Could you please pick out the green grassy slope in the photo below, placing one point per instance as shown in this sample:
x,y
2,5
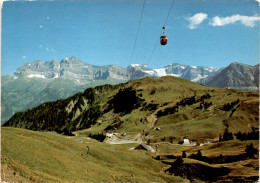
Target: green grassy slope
x,y
46,157
182,108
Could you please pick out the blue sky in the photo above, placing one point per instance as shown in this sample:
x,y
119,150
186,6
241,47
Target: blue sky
x,y
103,32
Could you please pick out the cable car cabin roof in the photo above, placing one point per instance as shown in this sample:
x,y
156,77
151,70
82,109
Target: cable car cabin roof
x,y
164,37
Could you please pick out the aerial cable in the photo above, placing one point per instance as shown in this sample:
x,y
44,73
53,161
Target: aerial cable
x,y
152,52
168,13
155,46
163,31
137,32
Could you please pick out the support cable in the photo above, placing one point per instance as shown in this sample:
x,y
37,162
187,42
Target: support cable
x,y
168,13
137,33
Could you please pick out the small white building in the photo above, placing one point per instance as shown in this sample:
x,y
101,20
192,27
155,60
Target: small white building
x,y
111,135
186,142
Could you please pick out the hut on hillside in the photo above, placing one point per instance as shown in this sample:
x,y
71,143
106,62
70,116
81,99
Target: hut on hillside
x,y
144,147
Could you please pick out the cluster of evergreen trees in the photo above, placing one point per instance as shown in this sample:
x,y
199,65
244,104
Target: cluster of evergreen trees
x,y
250,151
54,116
186,101
100,137
229,106
197,156
253,135
226,136
125,101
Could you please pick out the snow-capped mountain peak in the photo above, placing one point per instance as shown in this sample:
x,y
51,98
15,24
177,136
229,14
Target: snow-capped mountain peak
x,y
81,73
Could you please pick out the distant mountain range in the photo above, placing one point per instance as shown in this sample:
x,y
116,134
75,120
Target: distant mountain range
x,y
81,73
35,83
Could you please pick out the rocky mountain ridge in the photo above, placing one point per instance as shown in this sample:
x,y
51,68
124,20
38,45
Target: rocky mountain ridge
x,y
82,73
73,69
236,76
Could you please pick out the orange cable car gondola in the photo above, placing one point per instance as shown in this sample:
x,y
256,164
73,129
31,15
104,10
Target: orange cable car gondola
x,y
163,38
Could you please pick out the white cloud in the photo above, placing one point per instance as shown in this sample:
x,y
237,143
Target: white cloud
x,y
196,20
245,20
41,26
47,17
23,57
50,49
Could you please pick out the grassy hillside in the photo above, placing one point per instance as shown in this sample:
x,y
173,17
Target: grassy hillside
x,y
29,156
160,111
177,106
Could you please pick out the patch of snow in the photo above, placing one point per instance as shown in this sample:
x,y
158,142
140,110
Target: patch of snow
x,y
36,76
56,76
176,75
135,65
183,67
160,72
211,69
199,78
149,72
194,67
15,77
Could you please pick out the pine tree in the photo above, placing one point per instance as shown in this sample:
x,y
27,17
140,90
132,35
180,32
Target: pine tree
x,y
226,135
183,154
220,138
250,151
